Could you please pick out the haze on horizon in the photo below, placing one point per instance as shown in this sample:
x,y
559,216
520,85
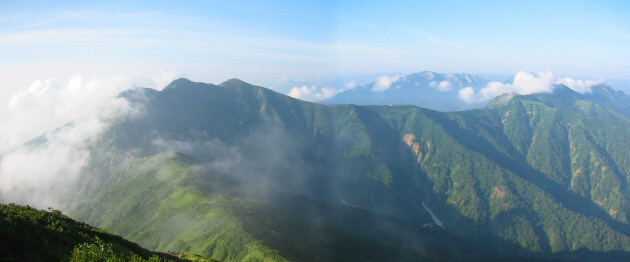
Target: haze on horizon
x,y
55,54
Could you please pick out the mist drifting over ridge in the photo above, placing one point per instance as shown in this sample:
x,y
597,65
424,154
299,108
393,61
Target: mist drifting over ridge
x,y
80,109
64,119
175,153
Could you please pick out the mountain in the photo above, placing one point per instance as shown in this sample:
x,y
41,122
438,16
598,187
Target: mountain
x,y
238,172
261,183
29,234
425,89
605,95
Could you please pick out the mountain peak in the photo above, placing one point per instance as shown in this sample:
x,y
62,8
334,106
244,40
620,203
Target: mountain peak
x,y
501,100
426,74
563,90
233,82
177,83
605,89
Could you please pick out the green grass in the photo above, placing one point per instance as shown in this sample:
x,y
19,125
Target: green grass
x,y
30,234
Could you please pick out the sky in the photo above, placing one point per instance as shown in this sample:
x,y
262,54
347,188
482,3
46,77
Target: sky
x,y
266,42
55,56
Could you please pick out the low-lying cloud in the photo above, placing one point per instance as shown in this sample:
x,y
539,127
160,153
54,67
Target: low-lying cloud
x,y
525,83
78,110
316,93
50,103
442,86
313,93
351,85
384,82
40,175
580,86
256,164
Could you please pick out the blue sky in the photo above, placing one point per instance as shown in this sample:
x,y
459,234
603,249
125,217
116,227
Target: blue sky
x,y
268,42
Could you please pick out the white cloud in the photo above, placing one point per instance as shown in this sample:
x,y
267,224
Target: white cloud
x,y
580,86
351,85
442,86
78,109
316,93
313,93
40,176
383,83
303,92
467,95
523,83
49,103
160,80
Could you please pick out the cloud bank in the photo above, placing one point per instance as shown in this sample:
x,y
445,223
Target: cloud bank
x,y
50,103
78,110
525,83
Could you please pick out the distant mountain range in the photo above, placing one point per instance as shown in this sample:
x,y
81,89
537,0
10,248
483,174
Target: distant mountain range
x,y
437,91
238,172
425,89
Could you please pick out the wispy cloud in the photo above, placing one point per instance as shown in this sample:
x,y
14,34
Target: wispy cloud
x,y
42,37
51,103
40,176
351,84
78,110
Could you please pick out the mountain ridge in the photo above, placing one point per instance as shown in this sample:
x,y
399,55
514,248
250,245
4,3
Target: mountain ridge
x,y
539,176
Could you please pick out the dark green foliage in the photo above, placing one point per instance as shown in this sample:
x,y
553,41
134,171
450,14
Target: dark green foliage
x,y
100,251
28,234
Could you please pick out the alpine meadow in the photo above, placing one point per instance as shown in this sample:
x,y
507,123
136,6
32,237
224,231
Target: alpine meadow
x,y
341,133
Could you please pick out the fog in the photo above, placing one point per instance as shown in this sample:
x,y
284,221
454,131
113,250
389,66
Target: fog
x,y
60,119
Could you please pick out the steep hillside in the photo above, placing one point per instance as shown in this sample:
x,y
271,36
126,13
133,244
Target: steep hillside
x,y
239,172
168,204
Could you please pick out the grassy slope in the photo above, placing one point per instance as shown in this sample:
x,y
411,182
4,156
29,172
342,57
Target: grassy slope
x,y
29,234
163,206
160,208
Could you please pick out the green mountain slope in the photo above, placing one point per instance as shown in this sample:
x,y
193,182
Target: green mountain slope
x,y
160,207
173,207
239,172
29,234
